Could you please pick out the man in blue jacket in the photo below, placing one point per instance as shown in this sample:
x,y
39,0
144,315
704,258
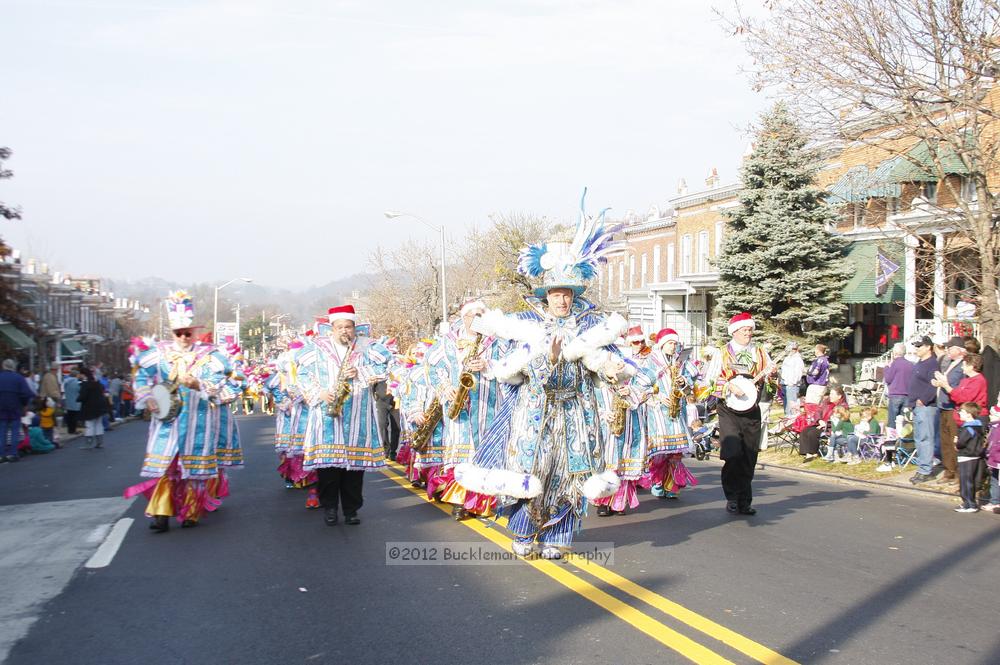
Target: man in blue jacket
x,y
922,398
14,396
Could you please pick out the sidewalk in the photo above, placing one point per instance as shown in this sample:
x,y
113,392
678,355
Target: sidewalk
x,y
863,473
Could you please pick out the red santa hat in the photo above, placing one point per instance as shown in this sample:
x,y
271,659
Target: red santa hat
x,y
634,334
666,335
741,320
310,333
342,312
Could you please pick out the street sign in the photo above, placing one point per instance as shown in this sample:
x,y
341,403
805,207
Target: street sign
x,y
226,332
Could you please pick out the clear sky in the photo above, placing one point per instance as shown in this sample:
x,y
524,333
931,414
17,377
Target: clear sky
x,y
204,139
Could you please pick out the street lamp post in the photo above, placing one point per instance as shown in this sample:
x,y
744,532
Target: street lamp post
x,y
393,214
215,310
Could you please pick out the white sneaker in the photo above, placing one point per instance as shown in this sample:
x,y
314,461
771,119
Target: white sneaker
x,y
551,552
854,462
884,468
967,510
936,462
522,549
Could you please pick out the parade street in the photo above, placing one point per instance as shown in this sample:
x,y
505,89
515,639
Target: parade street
x,y
824,573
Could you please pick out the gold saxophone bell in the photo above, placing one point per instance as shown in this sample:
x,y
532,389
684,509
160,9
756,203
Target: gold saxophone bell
x,y
466,383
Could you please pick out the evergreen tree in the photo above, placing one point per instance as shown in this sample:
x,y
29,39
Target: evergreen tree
x,y
779,261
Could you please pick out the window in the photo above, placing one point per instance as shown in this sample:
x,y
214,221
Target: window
x,y
631,272
686,255
892,205
703,251
720,227
656,264
642,273
928,190
671,259
969,193
860,209
611,278
621,276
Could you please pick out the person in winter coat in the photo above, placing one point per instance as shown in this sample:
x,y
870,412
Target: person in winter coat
x,y
14,396
818,375
93,409
993,458
970,445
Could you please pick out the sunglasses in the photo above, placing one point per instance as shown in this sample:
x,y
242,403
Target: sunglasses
x,y
183,333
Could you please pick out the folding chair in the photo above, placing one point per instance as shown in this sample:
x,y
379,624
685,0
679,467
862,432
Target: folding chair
x,y
906,453
781,435
870,448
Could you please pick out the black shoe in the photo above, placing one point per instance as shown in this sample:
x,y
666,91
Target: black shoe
x,y
330,516
747,510
160,524
732,507
415,483
919,478
189,524
459,513
353,520
603,511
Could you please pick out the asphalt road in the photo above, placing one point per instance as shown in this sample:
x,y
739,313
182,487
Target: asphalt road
x,y
824,573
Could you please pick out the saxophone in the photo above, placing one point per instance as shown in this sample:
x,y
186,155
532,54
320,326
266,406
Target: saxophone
x,y
422,435
342,391
619,410
466,382
676,392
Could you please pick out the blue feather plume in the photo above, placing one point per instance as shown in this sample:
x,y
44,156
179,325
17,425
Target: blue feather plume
x,y
593,241
529,261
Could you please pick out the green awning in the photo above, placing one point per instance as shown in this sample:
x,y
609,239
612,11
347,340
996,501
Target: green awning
x,y
71,347
860,184
863,260
14,338
918,164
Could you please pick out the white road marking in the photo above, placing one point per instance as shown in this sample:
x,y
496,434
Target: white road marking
x,y
109,548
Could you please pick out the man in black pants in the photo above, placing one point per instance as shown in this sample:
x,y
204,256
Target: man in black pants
x,y
388,418
739,427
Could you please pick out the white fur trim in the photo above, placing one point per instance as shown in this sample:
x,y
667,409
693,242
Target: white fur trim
x,y
509,368
497,482
495,323
601,485
604,333
733,327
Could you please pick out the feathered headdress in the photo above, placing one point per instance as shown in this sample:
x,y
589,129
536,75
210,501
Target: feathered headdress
x,y
571,266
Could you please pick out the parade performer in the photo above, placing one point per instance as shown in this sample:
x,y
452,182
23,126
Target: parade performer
x,y
180,455
459,367
292,414
623,421
739,371
554,456
667,431
342,437
424,414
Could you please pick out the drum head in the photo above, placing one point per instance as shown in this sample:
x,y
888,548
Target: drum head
x,y
161,397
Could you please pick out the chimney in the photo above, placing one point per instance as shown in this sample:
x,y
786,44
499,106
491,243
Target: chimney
x,y
682,187
712,181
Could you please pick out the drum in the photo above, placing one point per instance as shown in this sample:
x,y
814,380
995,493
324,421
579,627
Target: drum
x,y
167,401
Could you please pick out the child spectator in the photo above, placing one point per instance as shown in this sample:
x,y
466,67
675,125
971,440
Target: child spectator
x,y
46,411
993,459
867,426
841,435
970,446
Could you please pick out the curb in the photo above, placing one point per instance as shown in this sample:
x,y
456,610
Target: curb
x,y
849,480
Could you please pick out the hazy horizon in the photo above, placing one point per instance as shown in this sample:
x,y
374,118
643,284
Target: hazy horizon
x,y
200,141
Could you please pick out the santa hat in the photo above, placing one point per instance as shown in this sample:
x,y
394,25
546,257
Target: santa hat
x,y
310,333
666,335
342,312
471,305
634,334
742,320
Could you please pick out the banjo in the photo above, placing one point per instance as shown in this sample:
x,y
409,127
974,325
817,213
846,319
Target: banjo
x,y
166,401
748,386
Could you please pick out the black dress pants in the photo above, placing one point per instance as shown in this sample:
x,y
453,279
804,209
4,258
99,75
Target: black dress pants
x,y
388,427
340,487
739,446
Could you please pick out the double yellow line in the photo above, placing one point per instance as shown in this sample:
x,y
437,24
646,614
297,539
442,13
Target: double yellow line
x,y
643,622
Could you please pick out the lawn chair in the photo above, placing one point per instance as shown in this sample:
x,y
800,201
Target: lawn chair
x,y
782,436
